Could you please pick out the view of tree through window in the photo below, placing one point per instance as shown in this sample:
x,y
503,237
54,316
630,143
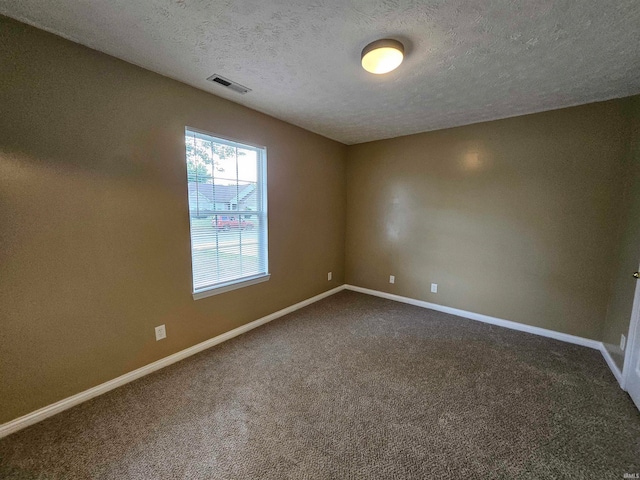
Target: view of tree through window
x,y
227,208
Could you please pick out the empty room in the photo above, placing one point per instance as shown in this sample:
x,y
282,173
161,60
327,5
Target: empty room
x,y
319,239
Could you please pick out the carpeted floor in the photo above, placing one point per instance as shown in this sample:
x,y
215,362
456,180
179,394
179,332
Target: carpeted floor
x,y
351,387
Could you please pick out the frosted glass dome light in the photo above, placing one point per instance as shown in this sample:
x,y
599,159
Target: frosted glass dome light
x,y
382,56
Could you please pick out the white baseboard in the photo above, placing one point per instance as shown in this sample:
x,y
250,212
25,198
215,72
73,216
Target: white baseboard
x,y
50,410
565,337
66,403
612,365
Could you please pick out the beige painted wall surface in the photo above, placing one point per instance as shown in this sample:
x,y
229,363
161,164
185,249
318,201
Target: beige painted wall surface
x,y
514,218
94,226
623,285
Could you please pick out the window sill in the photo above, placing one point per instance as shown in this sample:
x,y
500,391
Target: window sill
x,y
227,287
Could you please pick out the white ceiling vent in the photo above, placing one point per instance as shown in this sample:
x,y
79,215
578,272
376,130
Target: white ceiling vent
x,y
225,82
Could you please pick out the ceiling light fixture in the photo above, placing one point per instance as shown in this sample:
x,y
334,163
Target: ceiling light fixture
x,y
382,56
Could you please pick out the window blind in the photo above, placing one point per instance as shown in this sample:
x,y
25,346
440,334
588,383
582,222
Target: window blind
x,y
227,211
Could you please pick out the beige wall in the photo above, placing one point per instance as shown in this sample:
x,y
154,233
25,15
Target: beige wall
x,y
514,218
623,285
94,226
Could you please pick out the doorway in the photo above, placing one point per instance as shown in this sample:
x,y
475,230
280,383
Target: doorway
x,y
631,369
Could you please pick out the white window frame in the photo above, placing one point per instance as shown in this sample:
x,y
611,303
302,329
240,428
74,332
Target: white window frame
x,y
263,238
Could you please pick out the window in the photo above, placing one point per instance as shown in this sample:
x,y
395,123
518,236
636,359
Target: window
x,y
227,188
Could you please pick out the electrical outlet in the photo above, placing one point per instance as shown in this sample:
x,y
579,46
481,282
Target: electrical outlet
x,y
161,332
434,288
392,279
329,276
623,342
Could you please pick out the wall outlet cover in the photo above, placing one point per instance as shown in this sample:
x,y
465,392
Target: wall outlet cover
x,y
434,288
392,279
161,332
329,276
623,342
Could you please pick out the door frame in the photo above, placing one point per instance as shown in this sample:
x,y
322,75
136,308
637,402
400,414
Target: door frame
x,y
634,325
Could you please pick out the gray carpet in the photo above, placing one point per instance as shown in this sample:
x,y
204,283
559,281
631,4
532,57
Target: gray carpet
x,y
351,387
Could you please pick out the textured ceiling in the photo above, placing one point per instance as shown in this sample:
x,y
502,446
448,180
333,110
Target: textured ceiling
x,y
467,61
